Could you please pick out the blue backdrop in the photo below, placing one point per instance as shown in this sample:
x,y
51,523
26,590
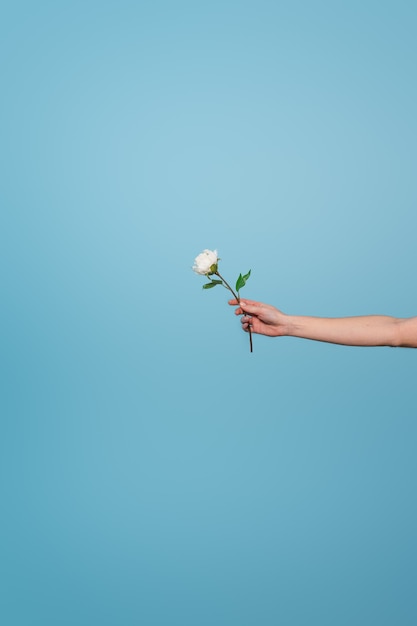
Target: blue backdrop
x,y
152,470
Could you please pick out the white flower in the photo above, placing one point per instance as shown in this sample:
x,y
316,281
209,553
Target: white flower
x,y
204,262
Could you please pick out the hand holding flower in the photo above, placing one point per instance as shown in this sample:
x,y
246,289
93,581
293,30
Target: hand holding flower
x,y
261,318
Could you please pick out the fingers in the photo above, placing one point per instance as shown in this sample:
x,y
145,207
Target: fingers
x,y
245,301
247,323
250,306
246,306
246,320
234,301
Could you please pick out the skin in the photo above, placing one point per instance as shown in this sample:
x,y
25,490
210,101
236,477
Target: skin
x,y
368,330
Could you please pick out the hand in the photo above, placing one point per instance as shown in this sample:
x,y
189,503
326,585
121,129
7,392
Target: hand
x,y
263,319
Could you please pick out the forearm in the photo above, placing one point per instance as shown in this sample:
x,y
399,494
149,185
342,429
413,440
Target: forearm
x,y
368,330
371,330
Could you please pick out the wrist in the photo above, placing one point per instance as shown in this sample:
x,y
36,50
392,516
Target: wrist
x,y
281,325
289,326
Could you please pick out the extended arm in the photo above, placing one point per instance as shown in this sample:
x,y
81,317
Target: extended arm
x,y
369,330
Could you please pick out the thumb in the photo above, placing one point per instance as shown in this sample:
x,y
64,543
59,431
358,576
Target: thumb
x,y
249,307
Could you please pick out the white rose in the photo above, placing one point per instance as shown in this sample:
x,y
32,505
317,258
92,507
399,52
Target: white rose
x,y
204,262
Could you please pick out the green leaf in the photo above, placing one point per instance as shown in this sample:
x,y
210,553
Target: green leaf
x,y
241,281
212,284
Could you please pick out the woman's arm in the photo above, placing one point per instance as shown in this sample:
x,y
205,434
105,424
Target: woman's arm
x,y
369,330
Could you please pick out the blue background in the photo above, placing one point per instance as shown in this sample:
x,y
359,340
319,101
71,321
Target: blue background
x,y
152,470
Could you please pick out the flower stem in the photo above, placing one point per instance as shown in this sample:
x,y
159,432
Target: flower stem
x,y
238,299
228,286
